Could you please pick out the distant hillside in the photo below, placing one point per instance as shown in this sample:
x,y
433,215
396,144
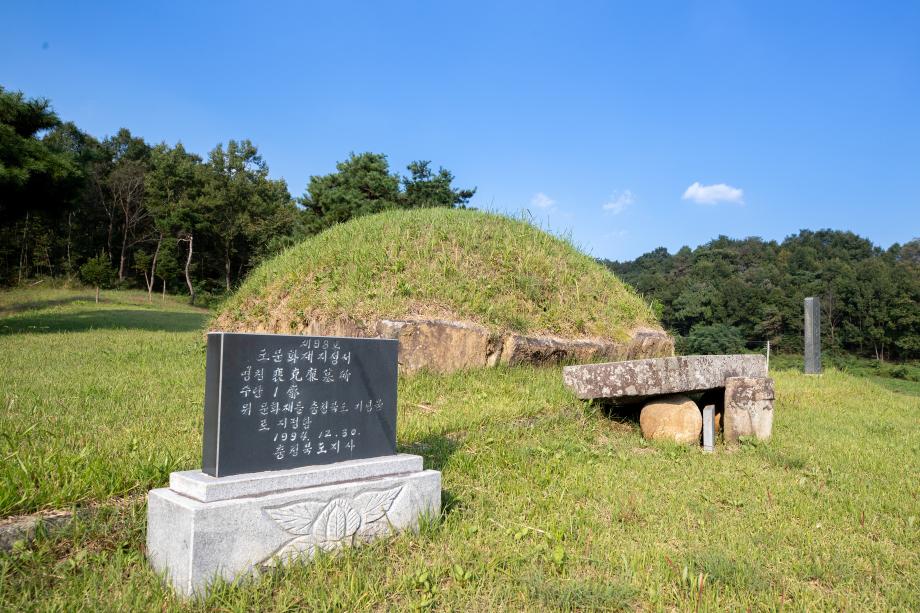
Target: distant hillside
x,y
870,297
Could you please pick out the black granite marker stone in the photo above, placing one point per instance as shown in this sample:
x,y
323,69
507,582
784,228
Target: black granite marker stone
x,y
276,401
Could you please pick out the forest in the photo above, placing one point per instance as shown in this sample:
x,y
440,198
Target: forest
x,y
729,294
124,212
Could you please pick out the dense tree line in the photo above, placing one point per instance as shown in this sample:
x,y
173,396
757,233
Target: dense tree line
x,y
157,216
730,292
124,211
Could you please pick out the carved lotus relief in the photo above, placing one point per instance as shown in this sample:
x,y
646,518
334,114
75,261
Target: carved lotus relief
x,y
328,525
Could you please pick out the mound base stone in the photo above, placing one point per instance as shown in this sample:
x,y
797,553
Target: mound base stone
x,y
444,346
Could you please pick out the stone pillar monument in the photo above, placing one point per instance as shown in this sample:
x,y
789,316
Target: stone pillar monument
x,y
812,336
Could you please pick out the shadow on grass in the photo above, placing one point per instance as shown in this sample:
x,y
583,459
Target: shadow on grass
x,y
624,413
784,460
33,305
579,594
436,449
733,573
105,319
898,386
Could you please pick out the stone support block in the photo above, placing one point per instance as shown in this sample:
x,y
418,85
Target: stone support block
x,y
748,408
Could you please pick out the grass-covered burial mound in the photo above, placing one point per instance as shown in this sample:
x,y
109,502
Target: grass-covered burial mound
x,y
446,264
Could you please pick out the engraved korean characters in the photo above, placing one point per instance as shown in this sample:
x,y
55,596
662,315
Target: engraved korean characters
x,y
276,401
271,389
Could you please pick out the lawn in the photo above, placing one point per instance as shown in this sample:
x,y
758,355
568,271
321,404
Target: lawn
x,y
549,503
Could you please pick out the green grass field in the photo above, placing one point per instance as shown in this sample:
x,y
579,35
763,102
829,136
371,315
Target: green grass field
x,y
548,503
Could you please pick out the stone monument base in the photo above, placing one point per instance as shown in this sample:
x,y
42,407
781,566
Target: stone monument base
x,y
202,528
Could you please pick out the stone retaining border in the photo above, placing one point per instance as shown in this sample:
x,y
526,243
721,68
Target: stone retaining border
x,y
445,346
24,527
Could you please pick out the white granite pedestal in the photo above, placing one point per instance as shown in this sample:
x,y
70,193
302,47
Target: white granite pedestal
x,y
203,527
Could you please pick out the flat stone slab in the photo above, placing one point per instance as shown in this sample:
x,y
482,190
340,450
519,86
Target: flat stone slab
x,y
635,380
192,543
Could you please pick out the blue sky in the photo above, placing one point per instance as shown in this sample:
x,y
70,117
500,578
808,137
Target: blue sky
x,y
629,125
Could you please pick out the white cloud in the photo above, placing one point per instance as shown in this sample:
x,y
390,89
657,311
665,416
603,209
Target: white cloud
x,y
713,194
619,201
542,201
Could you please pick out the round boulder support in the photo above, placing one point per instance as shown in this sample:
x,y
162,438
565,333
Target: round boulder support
x,y
671,418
